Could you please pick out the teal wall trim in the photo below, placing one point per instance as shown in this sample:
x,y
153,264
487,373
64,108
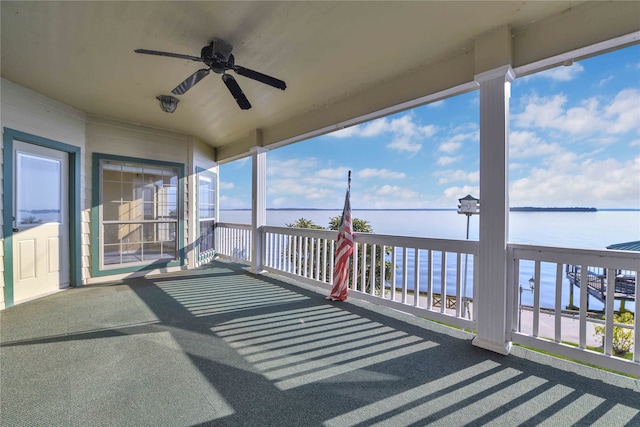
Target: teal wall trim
x,y
95,216
75,247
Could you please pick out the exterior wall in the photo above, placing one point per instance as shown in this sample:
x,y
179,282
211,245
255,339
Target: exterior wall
x,y
123,139
30,112
33,113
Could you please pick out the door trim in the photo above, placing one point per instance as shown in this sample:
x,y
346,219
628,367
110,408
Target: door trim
x,y
75,254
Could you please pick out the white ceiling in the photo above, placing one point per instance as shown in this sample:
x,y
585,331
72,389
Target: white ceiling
x,y
82,54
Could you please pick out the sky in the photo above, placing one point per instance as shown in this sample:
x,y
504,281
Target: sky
x,y
574,140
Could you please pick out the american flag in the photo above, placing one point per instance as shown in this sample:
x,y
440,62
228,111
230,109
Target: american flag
x,y
343,252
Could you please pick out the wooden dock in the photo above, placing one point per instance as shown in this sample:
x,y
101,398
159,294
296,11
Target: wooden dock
x,y
625,284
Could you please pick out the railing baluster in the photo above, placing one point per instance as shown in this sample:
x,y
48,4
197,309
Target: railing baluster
x,y
393,273
536,300
636,323
324,260
584,301
299,257
383,270
416,277
354,266
404,274
429,279
459,302
306,257
372,275
333,261
609,313
443,282
558,311
317,266
363,268
289,254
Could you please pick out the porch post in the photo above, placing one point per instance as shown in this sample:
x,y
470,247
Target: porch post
x,y
492,305
258,206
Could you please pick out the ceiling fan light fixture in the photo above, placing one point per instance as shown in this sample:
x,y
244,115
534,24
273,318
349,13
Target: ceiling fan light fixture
x,y
168,103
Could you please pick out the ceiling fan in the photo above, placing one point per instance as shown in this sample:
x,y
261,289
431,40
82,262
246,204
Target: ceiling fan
x,y
217,56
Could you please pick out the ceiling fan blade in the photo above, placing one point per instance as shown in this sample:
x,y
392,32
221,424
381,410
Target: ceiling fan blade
x,y
263,78
191,81
172,55
235,90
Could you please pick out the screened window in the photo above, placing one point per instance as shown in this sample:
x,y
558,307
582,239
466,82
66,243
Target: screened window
x,y
139,221
206,213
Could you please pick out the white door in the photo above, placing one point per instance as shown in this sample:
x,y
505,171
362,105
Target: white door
x,y
41,221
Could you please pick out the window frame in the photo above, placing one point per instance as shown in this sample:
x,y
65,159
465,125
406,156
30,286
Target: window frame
x,y
203,256
97,221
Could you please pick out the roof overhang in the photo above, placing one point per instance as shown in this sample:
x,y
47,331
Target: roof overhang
x,y
343,62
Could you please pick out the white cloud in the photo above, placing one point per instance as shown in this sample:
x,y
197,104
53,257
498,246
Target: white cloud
x,y
453,144
605,81
404,144
452,194
624,112
447,160
372,128
620,115
523,144
332,173
386,196
240,163
226,185
447,176
406,135
345,133
234,203
437,104
300,182
573,181
549,113
559,74
290,168
380,174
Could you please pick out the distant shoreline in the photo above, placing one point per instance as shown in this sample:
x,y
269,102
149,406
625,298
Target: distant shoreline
x,y
533,209
513,209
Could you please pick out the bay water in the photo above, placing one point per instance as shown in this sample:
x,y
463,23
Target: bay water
x,y
580,230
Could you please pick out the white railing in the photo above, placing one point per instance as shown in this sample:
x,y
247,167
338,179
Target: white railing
x,y
435,278
432,278
563,323
233,241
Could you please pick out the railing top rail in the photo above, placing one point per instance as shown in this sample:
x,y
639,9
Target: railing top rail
x,y
623,260
233,225
447,245
304,232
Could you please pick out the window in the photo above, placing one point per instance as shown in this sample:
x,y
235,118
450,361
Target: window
x,y
139,213
38,190
206,213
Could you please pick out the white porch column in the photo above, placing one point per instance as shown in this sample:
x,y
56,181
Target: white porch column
x,y
258,206
491,304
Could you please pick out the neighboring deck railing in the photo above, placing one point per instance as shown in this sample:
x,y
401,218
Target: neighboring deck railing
x,y
436,279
